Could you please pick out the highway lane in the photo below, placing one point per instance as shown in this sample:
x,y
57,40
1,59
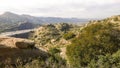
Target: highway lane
x,y
16,32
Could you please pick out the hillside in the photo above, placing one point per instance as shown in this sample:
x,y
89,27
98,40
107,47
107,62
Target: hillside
x,y
9,17
92,45
11,22
52,34
7,27
83,46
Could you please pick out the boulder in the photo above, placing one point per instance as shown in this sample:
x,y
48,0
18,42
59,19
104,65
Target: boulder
x,y
11,42
12,49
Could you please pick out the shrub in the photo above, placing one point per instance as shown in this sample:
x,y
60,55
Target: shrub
x,y
95,39
54,50
68,36
63,27
107,61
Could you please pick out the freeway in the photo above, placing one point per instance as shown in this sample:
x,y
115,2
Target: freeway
x,y
12,33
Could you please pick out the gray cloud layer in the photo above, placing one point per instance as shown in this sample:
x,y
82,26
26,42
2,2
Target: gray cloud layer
x,y
64,8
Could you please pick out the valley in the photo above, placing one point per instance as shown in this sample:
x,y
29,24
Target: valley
x,y
17,34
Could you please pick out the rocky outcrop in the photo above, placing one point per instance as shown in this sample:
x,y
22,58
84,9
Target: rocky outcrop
x,y
19,43
13,49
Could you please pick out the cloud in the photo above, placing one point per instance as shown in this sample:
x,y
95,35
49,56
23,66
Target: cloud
x,y
62,8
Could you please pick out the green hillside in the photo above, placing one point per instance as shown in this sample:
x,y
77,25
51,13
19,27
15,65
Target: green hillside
x,y
92,45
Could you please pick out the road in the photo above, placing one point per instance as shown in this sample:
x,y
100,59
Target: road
x,y
16,32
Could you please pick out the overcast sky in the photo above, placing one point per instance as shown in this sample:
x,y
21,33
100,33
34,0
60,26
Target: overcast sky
x,y
62,8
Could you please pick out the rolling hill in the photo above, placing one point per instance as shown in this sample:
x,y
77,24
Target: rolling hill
x,y
9,17
10,21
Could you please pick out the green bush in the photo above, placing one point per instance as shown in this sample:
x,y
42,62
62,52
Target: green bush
x,y
55,58
95,40
64,27
107,61
53,50
53,61
68,36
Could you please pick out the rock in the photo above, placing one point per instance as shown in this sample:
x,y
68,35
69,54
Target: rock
x,y
12,49
53,40
11,42
24,45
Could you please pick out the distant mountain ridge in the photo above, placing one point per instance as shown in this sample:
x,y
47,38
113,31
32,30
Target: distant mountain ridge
x,y
15,18
12,22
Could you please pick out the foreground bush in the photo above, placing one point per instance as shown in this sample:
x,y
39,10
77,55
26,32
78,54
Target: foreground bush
x,y
95,40
107,61
54,61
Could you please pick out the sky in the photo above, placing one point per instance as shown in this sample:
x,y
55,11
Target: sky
x,y
62,8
